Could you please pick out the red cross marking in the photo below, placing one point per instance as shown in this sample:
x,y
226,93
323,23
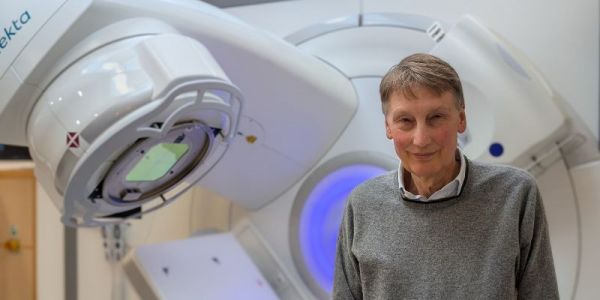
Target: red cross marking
x,y
73,139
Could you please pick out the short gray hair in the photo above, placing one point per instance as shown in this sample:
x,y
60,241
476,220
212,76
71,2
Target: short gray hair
x,y
420,70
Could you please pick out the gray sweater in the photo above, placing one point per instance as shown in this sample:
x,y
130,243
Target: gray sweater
x,y
489,242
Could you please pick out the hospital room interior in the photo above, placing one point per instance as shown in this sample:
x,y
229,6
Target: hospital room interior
x,y
184,149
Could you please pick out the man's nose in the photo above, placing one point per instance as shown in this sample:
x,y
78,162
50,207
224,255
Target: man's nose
x,y
421,137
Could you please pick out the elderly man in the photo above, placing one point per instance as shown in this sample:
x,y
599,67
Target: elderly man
x,y
441,226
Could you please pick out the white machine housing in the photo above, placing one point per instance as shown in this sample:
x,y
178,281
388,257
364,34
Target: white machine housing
x,y
204,267
94,87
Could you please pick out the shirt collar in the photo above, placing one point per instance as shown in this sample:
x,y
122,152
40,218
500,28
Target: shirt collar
x,y
449,190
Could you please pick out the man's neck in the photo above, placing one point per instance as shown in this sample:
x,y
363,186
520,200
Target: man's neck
x,y
426,186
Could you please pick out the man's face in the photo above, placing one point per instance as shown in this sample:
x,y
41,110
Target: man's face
x,y
424,131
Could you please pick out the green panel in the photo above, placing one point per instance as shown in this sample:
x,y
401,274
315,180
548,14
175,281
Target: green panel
x,y
157,162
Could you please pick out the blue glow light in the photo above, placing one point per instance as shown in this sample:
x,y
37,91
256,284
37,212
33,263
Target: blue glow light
x,y
322,215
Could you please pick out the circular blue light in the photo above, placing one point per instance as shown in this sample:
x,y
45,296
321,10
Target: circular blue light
x,y
496,149
322,215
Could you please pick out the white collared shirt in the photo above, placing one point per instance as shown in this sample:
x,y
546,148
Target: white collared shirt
x,y
449,190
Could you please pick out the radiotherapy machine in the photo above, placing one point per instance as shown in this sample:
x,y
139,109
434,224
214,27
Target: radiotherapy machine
x,y
122,103
125,105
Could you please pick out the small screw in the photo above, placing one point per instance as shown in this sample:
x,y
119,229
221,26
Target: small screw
x,y
251,139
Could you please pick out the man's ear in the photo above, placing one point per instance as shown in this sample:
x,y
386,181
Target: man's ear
x,y
462,123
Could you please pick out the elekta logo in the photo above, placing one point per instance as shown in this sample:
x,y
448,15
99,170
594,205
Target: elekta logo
x,y
9,33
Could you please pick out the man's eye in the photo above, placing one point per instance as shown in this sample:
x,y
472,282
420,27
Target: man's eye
x,y
436,117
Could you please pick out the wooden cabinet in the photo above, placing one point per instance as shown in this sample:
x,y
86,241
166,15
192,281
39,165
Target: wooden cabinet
x,y
17,222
